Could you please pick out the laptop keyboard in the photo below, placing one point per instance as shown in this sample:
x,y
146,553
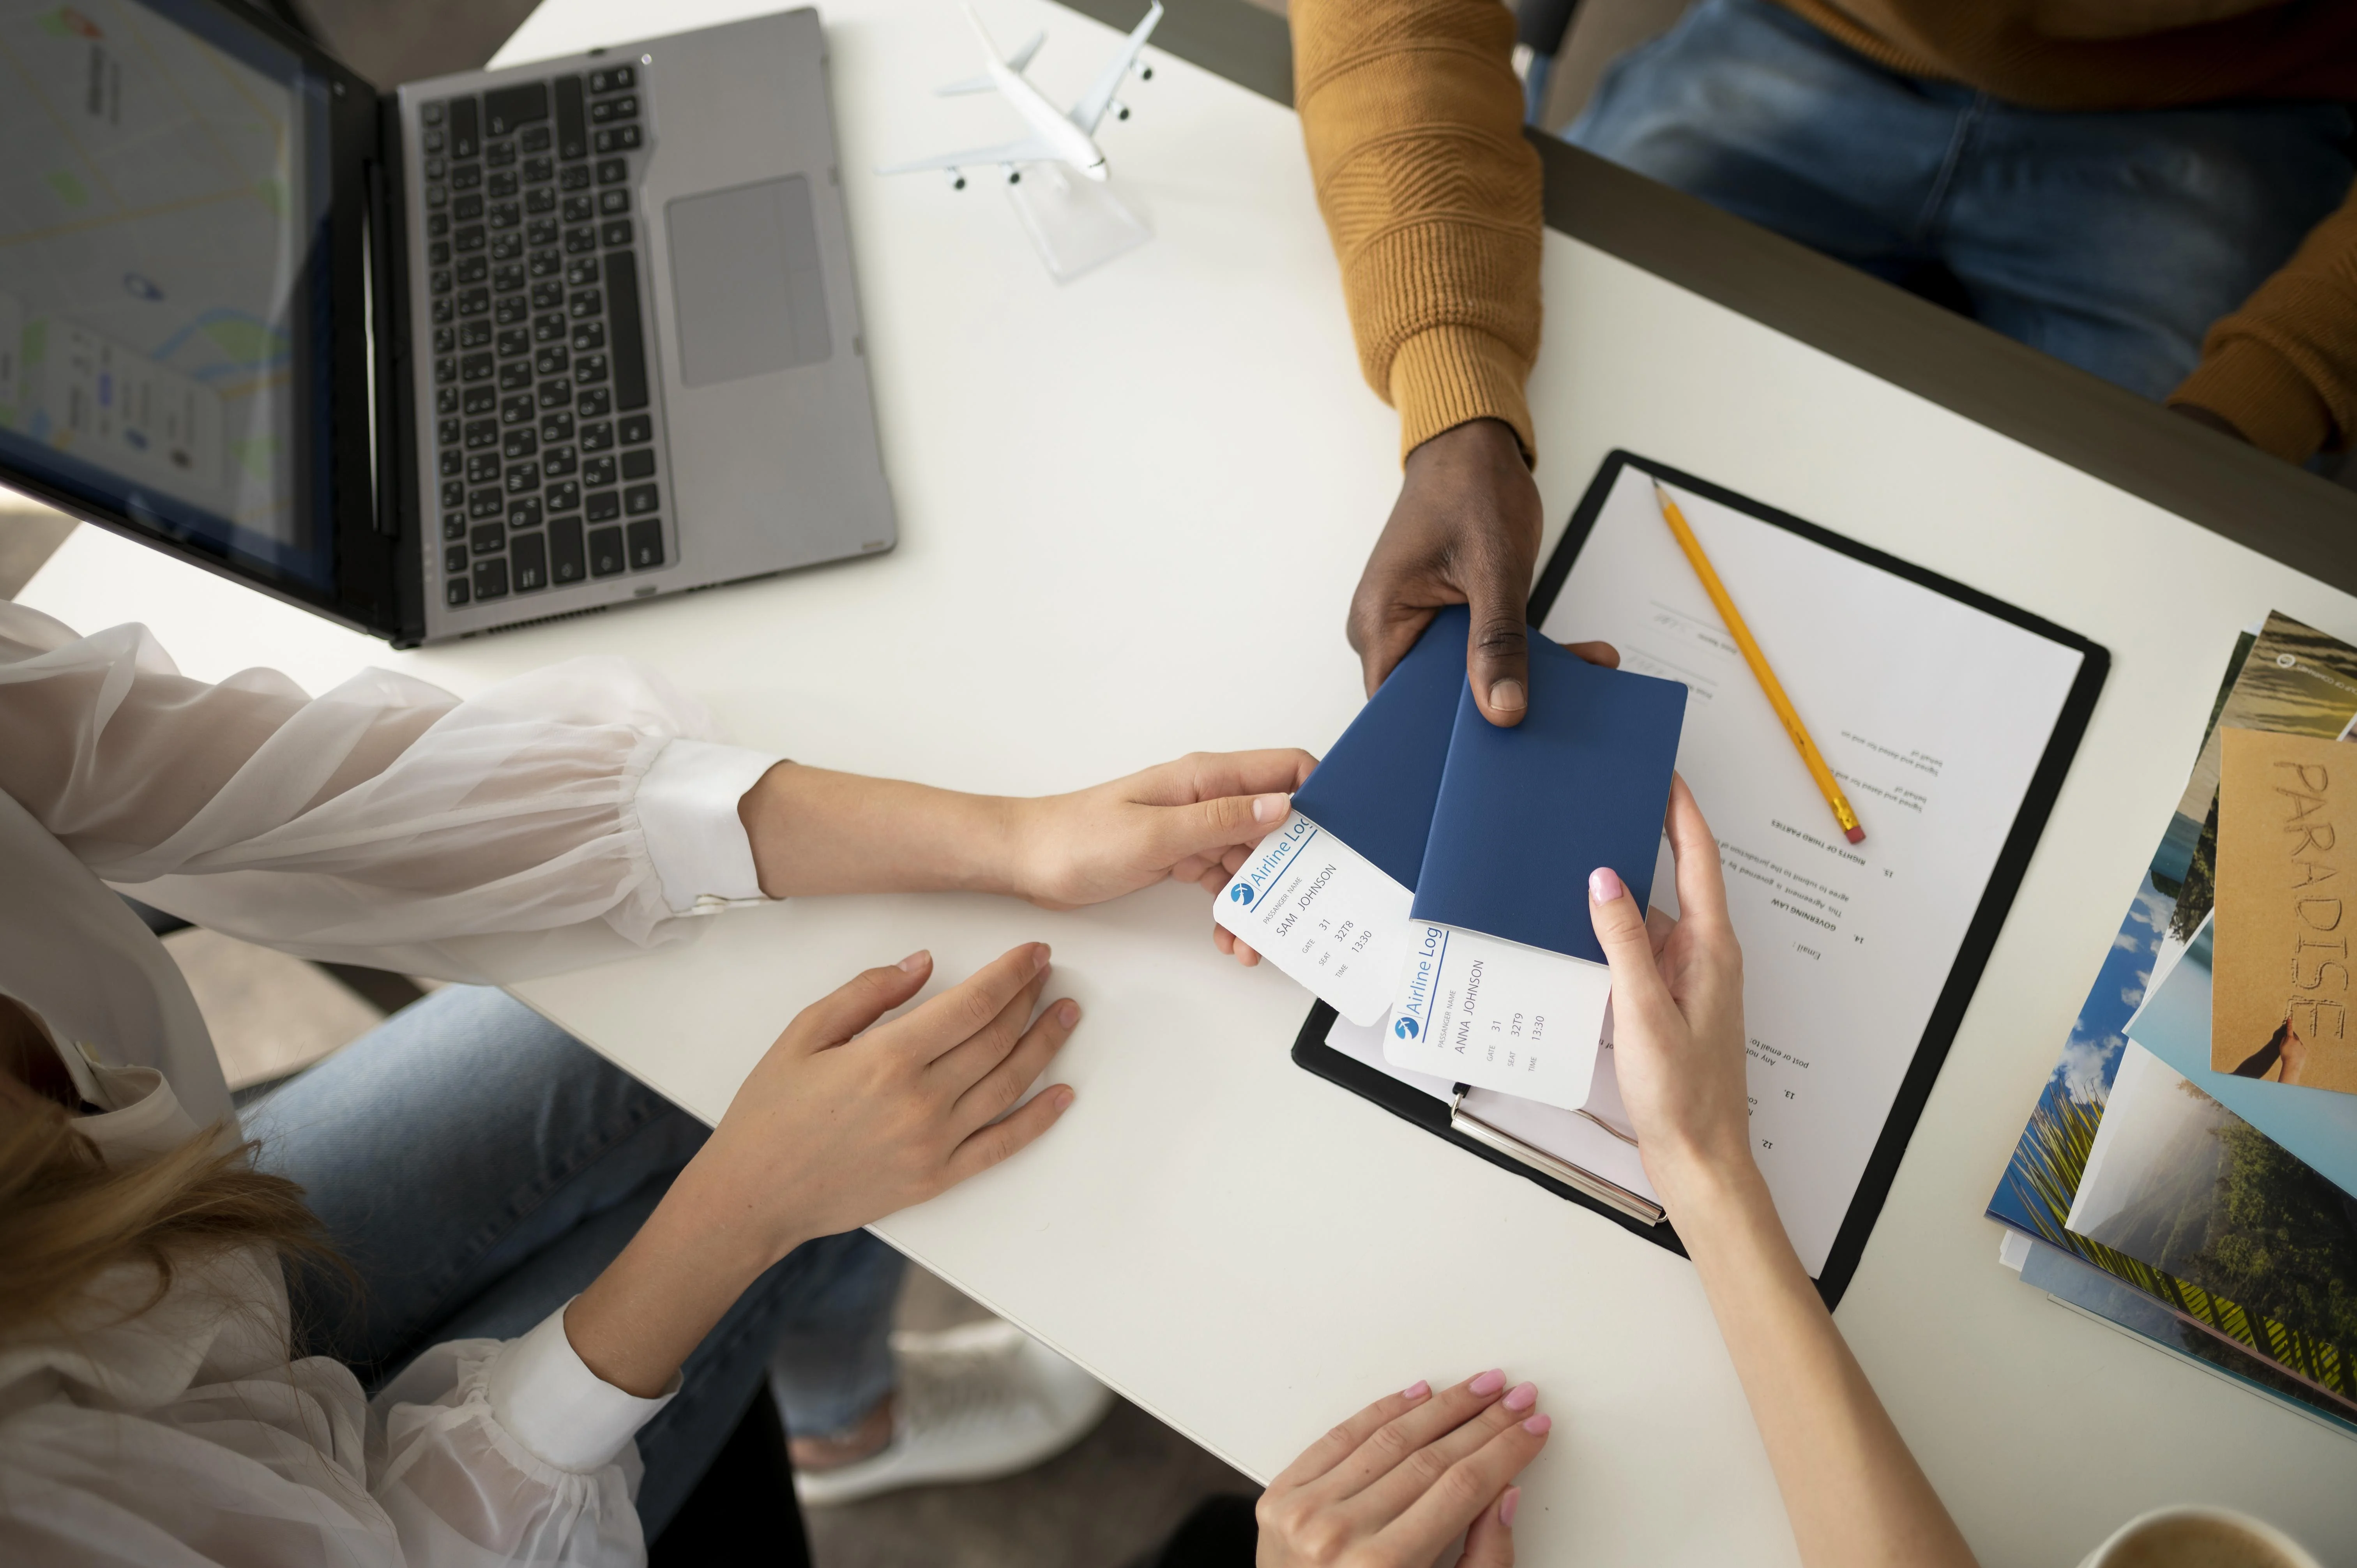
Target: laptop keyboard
x,y
544,439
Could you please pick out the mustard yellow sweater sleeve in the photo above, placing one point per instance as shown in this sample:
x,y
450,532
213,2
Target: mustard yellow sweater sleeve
x,y
2283,368
1413,117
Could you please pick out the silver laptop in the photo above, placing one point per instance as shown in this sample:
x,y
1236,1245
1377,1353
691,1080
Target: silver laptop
x,y
487,349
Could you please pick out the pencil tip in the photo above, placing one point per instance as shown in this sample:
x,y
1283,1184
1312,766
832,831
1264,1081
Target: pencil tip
x,y
1856,835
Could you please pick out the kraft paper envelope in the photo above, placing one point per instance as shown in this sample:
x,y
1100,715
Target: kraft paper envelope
x,y
2287,879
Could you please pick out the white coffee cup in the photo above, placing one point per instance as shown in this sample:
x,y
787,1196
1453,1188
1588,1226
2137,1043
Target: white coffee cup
x,y
2195,1537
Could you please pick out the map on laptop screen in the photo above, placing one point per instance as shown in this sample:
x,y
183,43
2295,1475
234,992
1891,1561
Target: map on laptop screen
x,y
158,203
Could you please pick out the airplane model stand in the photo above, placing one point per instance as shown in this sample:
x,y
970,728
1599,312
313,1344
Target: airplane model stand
x,y
1073,215
1076,225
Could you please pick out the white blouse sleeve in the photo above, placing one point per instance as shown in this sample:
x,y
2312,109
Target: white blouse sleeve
x,y
489,1453
565,816
185,1436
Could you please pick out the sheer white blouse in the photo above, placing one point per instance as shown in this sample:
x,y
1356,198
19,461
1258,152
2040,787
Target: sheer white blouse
x,y
584,810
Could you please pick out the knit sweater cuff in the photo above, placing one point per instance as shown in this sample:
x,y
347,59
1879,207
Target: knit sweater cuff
x,y
2263,395
1447,376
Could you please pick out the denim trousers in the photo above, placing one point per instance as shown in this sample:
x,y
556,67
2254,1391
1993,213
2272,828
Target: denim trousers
x,y
478,1166
2111,240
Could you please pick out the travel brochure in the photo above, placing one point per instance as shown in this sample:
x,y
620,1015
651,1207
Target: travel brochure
x,y
2174,1023
2184,1148
2283,920
2084,1288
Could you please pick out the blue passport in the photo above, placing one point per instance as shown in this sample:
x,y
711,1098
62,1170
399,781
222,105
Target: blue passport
x,y
1503,985
1525,814
1374,789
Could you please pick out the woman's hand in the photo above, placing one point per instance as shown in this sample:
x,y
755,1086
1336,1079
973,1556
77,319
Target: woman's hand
x,y
1191,820
836,1127
816,832
833,1128
1396,1483
1677,1010
1851,1489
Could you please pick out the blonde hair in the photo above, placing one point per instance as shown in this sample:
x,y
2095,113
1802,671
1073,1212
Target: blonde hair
x,y
67,1216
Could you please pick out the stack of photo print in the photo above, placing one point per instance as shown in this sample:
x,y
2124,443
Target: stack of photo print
x,y
2134,1194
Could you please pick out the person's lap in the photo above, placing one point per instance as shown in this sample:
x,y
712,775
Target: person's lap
x,y
448,1146
2109,240
478,1167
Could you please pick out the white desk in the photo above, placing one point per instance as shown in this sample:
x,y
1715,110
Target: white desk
x,y
1092,482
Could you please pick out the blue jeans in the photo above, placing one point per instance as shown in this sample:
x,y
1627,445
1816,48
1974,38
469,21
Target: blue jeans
x,y
2108,239
478,1167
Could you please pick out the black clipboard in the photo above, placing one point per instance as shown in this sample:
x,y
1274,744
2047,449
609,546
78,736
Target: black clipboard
x,y
1311,1051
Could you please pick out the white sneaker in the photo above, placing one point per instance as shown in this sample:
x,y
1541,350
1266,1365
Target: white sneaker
x,y
975,1402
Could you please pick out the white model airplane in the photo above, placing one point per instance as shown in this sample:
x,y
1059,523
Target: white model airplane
x,y
1056,136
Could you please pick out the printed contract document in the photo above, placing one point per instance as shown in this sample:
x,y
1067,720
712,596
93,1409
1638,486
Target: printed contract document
x,y
1932,714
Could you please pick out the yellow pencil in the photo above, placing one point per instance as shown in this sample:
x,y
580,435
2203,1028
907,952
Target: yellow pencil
x,y
1758,662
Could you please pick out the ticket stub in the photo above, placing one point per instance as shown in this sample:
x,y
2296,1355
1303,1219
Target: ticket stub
x,y
1322,913
1497,1015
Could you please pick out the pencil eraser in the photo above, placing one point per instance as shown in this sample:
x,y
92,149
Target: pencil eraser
x,y
1856,835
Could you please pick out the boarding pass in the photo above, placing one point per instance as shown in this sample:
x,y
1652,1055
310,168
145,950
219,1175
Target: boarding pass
x,y
1497,1015
1323,914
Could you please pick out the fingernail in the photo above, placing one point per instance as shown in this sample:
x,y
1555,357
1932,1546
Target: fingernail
x,y
1604,885
1537,1426
1506,696
1269,808
1416,1390
1068,1013
1488,1383
1523,1396
916,960
1508,1504
1062,1095
1040,955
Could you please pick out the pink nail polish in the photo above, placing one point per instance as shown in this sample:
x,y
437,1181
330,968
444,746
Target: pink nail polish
x,y
1488,1383
915,962
1522,1396
1604,885
1537,1426
1508,1505
1416,1390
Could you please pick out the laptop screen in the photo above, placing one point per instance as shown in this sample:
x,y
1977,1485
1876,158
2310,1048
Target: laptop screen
x,y
163,291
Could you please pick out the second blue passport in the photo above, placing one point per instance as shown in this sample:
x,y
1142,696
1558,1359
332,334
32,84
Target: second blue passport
x,y
1505,986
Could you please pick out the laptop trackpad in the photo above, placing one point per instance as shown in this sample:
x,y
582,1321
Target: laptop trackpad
x,y
745,282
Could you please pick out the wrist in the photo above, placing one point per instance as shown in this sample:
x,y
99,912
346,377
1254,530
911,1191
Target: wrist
x,y
813,832
724,1226
1008,829
1476,476
766,810
1486,441
647,1312
1705,1183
